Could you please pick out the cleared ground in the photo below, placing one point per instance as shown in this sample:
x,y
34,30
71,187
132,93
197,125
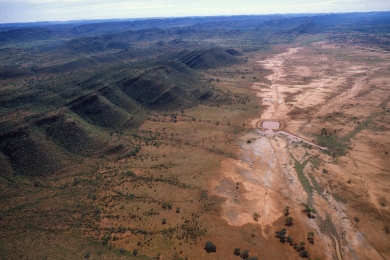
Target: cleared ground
x,y
337,97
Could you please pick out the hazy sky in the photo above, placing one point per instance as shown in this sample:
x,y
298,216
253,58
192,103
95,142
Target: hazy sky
x,y
61,10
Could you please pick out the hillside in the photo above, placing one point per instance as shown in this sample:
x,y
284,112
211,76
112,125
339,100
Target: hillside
x,y
26,34
72,116
208,59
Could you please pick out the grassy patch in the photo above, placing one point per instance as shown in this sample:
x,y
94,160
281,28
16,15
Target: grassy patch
x,y
301,176
317,186
335,144
338,145
359,128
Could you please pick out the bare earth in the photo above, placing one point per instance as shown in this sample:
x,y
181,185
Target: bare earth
x,y
314,90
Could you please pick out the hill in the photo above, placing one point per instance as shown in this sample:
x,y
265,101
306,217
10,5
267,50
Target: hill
x,y
26,34
207,59
166,87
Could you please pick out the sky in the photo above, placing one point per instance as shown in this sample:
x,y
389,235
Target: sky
x,y
63,10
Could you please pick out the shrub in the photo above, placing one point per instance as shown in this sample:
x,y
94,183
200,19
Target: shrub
x,y
105,239
289,221
167,205
245,254
304,254
210,247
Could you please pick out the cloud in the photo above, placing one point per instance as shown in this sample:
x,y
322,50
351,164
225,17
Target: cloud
x,y
41,1
38,10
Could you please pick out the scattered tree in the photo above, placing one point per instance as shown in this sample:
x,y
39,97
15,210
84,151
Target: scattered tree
x,y
289,221
237,251
310,237
167,205
304,254
286,211
210,247
105,239
308,210
256,216
245,254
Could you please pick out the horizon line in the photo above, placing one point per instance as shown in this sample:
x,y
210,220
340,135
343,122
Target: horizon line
x,y
176,17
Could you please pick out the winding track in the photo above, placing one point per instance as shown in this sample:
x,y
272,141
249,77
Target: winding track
x,y
337,248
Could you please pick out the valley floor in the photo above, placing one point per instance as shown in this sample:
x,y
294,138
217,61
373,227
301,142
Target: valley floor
x,y
337,97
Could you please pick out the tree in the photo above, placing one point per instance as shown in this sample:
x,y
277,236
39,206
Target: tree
x,y
289,221
256,216
245,254
176,256
286,211
167,205
237,251
164,221
304,254
135,252
302,245
210,247
105,239
310,237
308,210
